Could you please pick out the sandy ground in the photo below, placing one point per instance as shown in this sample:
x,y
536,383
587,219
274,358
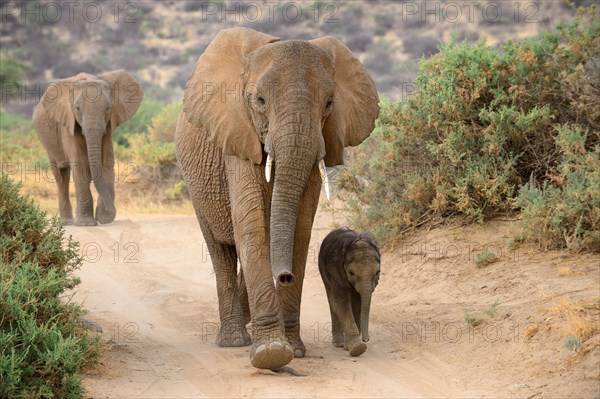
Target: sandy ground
x,y
148,282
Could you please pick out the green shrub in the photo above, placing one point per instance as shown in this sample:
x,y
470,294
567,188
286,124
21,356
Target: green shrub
x,y
42,345
140,121
572,343
154,156
147,153
486,257
10,122
21,147
11,73
484,122
162,126
176,191
564,211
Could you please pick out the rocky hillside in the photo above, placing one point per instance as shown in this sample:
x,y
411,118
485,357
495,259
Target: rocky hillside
x,y
160,41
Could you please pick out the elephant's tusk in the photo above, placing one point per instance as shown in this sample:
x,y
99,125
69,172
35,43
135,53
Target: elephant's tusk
x,y
325,178
268,167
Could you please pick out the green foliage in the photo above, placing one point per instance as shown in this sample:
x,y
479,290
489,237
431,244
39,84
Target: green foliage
x,y
485,121
473,320
162,126
564,211
42,346
157,146
491,311
11,73
486,257
10,122
176,191
147,153
154,156
150,106
572,343
21,147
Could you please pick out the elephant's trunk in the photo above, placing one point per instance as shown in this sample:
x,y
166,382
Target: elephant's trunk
x,y
295,155
94,149
365,309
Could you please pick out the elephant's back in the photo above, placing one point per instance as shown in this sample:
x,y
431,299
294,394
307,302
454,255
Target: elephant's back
x,y
201,164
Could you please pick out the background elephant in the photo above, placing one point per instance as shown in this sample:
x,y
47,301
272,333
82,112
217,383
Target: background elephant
x,y
259,115
349,264
75,120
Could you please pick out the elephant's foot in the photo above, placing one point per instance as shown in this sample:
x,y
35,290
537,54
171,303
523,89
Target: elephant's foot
x,y
296,342
338,341
67,221
103,216
357,348
85,221
271,354
233,338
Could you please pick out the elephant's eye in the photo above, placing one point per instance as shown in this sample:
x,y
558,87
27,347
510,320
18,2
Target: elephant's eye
x,y
260,100
351,273
329,103
77,107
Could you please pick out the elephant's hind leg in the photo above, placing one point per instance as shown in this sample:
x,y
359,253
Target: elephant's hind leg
x,y
244,296
232,331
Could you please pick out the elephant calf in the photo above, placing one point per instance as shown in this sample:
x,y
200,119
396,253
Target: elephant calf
x,y
349,264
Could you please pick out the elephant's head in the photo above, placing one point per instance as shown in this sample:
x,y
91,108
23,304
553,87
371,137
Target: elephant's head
x,y
93,106
361,260
289,104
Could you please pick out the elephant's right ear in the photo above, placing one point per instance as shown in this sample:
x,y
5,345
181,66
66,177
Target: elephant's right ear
x,y
368,237
57,102
213,99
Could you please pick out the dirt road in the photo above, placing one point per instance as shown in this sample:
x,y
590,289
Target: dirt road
x,y
440,327
148,282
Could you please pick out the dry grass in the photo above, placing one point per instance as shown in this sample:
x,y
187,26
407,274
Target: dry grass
x,y
531,331
145,206
564,271
581,317
45,194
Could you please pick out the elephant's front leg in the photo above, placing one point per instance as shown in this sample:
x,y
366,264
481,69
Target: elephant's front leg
x,y
291,296
341,305
108,174
232,331
249,199
76,150
62,175
84,215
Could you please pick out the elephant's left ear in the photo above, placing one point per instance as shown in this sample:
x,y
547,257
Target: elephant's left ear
x,y
355,103
126,96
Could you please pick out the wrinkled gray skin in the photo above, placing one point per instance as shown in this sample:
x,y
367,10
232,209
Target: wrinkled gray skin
x,y
349,264
74,121
301,102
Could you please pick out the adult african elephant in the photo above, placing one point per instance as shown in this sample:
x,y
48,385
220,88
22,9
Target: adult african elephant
x,y
74,121
259,115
